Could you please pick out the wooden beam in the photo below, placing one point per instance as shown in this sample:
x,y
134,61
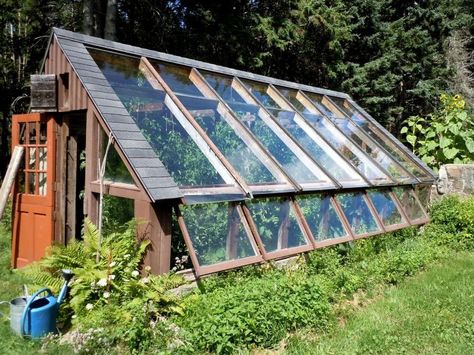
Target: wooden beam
x,y
155,225
10,175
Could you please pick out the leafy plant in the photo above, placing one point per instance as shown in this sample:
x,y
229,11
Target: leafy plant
x,y
445,136
112,288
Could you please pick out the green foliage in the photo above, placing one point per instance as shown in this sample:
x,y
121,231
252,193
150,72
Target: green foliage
x,y
111,289
117,213
6,221
429,313
445,136
258,311
258,305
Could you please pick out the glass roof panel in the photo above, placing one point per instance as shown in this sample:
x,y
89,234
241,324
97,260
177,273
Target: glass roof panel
x,y
259,124
339,141
359,137
358,213
386,207
172,143
410,203
259,90
276,223
321,217
218,233
317,148
382,139
210,115
177,78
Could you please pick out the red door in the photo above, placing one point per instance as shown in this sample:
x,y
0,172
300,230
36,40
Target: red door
x,y
33,202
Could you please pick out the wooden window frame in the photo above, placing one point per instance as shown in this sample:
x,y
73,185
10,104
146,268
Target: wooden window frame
x,y
287,140
284,252
405,222
373,212
154,77
309,103
366,137
419,221
200,270
318,244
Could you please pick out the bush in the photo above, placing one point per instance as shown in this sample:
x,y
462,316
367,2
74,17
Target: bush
x,y
255,306
112,303
259,311
6,221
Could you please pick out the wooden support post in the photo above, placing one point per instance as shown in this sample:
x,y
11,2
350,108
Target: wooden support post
x,y
155,224
92,148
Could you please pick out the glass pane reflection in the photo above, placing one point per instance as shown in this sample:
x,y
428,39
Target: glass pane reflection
x,y
276,223
217,233
173,145
385,207
321,217
252,117
377,135
357,213
409,203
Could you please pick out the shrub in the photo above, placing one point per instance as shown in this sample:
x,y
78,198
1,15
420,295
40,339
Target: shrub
x,y
258,311
255,306
110,294
445,136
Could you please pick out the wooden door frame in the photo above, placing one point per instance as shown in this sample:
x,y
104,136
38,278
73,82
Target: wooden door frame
x,y
46,202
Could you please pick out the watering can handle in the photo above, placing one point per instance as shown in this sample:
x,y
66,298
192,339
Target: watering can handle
x,y
28,304
3,302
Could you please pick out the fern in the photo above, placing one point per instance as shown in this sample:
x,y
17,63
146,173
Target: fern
x,y
115,273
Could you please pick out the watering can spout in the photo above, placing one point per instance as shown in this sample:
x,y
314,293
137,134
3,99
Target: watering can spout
x,y
67,275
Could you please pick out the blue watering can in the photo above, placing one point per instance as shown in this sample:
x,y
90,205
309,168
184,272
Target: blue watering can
x,y
39,315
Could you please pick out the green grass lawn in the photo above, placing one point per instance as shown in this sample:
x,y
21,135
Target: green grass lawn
x,y
10,287
431,313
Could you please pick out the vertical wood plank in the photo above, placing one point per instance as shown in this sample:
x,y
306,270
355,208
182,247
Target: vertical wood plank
x,y
155,225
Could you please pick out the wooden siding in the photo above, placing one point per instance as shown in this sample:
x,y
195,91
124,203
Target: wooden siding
x,y
56,63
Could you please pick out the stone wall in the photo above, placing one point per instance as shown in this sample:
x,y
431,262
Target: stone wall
x,y
454,178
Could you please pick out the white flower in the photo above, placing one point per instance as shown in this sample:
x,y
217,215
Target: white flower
x,y
111,276
112,264
74,316
135,273
147,268
126,256
145,280
102,282
106,294
89,306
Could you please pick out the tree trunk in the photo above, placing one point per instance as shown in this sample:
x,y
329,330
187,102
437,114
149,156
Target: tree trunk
x,y
4,144
110,20
88,17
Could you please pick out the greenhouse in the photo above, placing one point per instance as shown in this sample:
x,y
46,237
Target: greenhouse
x,y
239,167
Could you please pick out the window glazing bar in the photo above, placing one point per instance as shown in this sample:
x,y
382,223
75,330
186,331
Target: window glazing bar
x,y
335,107
409,154
157,82
310,105
224,109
